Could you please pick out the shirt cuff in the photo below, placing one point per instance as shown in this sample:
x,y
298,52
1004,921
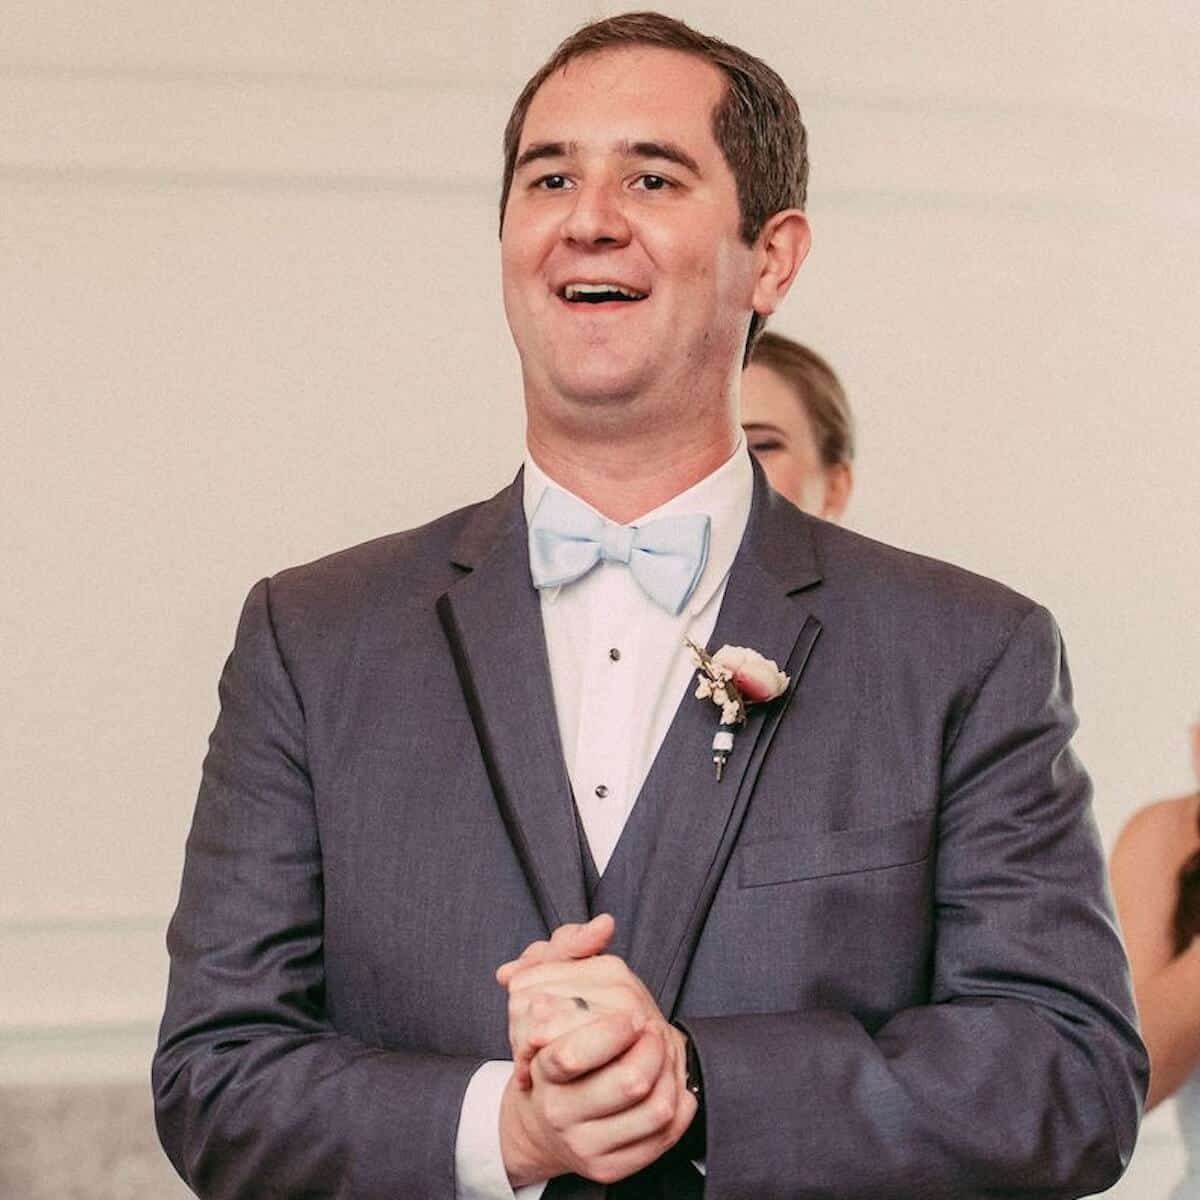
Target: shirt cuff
x,y
478,1162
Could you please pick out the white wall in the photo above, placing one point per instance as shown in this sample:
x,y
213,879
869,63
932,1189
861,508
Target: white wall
x,y
249,313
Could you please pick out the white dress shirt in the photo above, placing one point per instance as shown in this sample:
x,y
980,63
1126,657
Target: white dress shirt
x,y
619,669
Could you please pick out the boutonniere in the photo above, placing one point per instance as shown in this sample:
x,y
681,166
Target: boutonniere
x,y
734,678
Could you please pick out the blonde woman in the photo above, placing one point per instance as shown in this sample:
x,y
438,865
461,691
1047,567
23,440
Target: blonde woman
x,y
798,424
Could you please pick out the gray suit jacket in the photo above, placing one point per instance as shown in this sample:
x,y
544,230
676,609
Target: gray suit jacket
x,y
887,929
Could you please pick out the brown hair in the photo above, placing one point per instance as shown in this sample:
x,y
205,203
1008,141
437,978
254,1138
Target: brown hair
x,y
1185,923
819,390
756,124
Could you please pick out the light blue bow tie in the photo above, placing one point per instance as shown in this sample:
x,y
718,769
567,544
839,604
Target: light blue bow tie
x,y
666,556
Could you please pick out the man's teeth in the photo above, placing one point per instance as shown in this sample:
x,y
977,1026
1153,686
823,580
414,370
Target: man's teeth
x,y
593,292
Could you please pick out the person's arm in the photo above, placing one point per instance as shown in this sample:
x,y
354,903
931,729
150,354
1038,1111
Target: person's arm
x,y
1145,873
1025,1073
256,1094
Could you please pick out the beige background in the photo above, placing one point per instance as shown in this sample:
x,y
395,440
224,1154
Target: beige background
x,y
249,314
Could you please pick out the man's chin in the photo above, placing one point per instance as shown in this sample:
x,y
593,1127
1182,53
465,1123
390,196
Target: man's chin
x,y
607,389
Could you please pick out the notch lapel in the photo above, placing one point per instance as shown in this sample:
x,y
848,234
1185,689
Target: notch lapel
x,y
493,622
664,874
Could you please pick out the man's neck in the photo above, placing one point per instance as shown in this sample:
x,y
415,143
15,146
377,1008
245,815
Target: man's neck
x,y
626,478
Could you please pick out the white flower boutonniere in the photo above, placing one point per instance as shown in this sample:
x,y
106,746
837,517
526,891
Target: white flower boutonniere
x,y
732,679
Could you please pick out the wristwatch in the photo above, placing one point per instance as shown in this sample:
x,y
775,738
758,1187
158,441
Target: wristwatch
x,y
695,1081
694,1142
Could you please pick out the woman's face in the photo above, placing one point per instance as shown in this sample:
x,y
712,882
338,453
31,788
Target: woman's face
x,y
780,435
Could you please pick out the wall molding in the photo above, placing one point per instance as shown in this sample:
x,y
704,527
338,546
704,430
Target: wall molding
x,y
128,127
77,923
1185,121
188,75
72,973
154,179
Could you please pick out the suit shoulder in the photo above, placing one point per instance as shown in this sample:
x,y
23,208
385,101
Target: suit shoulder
x,y
403,567
913,617
860,566
930,614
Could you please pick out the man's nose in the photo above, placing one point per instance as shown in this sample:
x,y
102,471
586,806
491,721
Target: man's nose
x,y
597,217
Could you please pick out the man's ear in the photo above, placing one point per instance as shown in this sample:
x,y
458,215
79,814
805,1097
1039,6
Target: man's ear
x,y
783,245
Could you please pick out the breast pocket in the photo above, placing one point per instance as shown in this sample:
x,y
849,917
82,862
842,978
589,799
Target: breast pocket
x,y
841,852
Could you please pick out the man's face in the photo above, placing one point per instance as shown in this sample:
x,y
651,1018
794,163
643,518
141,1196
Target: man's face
x,y
780,435
620,182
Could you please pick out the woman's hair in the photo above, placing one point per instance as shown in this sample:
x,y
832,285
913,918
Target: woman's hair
x,y
817,388
1185,924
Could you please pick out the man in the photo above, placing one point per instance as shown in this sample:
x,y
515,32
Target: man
x,y
798,425
871,955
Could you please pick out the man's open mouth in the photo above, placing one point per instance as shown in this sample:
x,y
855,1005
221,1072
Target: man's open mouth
x,y
600,293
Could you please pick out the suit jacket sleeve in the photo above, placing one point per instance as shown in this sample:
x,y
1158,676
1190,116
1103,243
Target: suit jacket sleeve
x,y
257,1094
1025,1073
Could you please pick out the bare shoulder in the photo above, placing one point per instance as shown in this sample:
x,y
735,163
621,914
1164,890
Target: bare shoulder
x,y
1162,834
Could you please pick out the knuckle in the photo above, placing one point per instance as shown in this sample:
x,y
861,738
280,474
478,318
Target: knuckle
x,y
628,996
660,1113
605,1171
635,1084
556,1116
566,1060
577,1143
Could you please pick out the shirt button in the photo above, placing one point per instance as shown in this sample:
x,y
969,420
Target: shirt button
x,y
615,654
601,790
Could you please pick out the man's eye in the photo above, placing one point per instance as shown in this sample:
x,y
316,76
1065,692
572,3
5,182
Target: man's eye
x,y
552,183
653,183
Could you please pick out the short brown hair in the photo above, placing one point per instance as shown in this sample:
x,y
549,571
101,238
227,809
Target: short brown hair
x,y
757,123
818,389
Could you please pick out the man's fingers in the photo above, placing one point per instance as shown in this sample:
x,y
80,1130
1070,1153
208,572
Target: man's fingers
x,y
551,1016
568,942
541,1021
578,1112
583,941
654,1117
534,953
608,1122
601,970
626,1062
599,998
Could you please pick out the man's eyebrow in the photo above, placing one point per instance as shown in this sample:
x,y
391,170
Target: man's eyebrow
x,y
539,150
668,151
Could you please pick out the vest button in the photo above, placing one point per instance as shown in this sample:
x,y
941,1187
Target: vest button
x,y
615,654
601,790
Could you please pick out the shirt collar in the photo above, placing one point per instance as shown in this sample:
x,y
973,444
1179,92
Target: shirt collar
x,y
725,495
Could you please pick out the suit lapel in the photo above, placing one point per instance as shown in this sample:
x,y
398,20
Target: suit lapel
x,y
663,876
493,623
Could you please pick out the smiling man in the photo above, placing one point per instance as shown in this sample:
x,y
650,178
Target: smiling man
x,y
527,937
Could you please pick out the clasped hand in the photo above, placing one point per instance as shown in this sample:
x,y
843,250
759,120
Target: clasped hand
x,y
598,1083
